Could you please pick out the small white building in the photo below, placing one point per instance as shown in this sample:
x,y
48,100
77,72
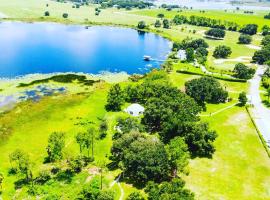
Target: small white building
x,y
135,109
181,54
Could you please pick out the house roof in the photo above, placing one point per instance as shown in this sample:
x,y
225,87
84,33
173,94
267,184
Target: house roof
x,y
135,109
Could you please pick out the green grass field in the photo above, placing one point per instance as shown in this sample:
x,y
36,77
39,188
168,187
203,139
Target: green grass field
x,y
240,168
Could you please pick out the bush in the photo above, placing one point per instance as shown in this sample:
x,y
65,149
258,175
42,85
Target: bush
x,y
157,24
47,13
141,25
222,51
244,39
65,15
166,23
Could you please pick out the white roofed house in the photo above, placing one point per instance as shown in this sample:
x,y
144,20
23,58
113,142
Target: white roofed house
x,y
181,54
135,109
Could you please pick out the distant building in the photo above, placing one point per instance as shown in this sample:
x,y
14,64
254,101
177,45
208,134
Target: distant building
x,y
135,110
181,54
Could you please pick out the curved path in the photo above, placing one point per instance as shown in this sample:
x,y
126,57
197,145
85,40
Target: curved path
x,y
116,181
260,114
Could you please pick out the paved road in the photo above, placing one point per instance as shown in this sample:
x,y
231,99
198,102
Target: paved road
x,y
259,112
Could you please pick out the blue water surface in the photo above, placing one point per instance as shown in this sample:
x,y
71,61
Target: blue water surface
x,y
28,48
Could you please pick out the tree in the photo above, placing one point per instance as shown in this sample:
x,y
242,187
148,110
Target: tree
x,y
106,195
56,144
222,51
265,30
169,190
47,13
215,32
242,99
206,89
135,196
262,56
103,128
86,141
177,150
141,25
146,160
250,29
244,39
190,55
21,163
160,15
80,138
166,23
243,72
157,24
141,158
115,98
65,15
266,40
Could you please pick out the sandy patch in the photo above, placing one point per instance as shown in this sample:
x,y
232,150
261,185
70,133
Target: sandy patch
x,y
238,59
251,46
92,172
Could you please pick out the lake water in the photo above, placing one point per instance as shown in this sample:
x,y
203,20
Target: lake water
x,y
47,48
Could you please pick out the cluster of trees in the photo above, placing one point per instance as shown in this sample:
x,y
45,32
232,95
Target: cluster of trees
x,y
173,115
206,90
242,71
215,33
263,56
195,48
204,21
222,51
22,165
267,16
93,191
168,190
244,39
124,4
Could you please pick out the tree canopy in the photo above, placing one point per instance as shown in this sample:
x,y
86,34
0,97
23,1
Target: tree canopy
x,y
243,72
206,89
222,51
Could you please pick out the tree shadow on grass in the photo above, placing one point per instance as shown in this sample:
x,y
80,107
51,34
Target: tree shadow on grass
x,y
20,183
65,176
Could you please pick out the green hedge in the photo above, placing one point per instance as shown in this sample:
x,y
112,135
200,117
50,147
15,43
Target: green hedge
x,y
217,77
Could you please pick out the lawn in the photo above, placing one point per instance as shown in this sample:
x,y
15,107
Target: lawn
x,y
231,15
240,167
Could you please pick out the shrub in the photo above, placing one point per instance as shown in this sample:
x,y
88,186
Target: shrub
x,y
65,15
47,13
141,25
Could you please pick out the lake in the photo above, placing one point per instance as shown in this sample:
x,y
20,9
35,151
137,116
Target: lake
x,y
29,48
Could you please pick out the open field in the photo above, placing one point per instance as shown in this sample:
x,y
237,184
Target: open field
x,y
238,17
240,167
